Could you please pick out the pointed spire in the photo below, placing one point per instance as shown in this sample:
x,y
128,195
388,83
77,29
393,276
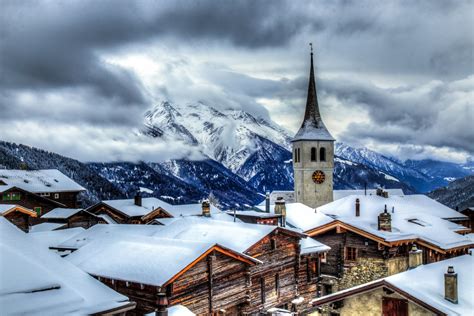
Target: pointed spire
x,y
312,126
311,115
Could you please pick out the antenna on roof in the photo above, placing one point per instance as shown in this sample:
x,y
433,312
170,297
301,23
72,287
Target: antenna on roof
x,y
311,45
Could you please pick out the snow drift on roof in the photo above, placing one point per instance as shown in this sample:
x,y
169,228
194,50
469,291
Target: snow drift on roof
x,y
38,181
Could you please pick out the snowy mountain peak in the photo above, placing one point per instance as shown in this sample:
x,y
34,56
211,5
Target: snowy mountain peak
x,y
229,136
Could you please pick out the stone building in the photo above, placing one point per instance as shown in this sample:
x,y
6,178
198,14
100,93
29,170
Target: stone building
x,y
313,154
442,288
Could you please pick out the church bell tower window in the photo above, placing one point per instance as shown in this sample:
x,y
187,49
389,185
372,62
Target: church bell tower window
x,y
313,154
322,154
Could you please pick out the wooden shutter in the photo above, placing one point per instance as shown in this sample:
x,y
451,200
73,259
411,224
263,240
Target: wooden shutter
x,y
394,307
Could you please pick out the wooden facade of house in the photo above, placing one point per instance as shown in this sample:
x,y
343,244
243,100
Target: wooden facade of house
x,y
220,283
215,283
82,219
20,217
122,218
39,204
357,257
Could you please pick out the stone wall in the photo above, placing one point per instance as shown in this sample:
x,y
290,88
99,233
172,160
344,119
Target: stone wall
x,y
365,270
370,303
397,265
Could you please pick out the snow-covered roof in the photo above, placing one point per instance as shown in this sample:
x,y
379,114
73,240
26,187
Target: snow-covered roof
x,y
35,281
414,217
310,132
44,227
160,259
7,208
235,236
251,213
429,285
309,245
179,310
61,212
107,219
300,216
129,208
100,231
55,237
339,194
38,181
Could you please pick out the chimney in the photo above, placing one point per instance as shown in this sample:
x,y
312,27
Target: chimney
x,y
385,221
267,202
206,208
138,198
415,257
451,285
357,207
280,209
162,305
381,192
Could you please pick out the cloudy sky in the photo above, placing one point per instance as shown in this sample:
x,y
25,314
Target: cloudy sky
x,y
395,76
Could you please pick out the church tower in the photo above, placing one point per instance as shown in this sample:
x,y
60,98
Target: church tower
x,y
313,154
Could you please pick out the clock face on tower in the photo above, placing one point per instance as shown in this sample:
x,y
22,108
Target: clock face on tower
x,y
318,177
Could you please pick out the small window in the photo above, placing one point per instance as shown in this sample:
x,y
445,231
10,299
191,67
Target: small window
x,y
313,154
295,158
277,283
350,254
312,268
56,195
299,155
11,196
262,290
322,154
273,244
37,209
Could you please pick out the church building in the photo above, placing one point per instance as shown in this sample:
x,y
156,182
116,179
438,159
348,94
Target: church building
x,y
313,154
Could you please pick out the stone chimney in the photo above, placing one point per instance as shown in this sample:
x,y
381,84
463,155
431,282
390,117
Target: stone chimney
x,y
451,285
415,257
267,202
385,221
206,208
381,192
357,207
138,198
280,209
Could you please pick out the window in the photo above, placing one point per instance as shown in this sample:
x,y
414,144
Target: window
x,y
312,269
56,195
297,155
262,290
37,209
11,196
44,194
277,283
313,154
273,243
322,154
350,254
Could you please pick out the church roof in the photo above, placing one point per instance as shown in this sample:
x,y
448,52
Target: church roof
x,y
312,127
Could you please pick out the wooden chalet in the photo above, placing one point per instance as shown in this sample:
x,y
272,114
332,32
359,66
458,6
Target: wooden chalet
x,y
140,210
441,288
73,217
469,222
18,215
39,204
50,184
279,270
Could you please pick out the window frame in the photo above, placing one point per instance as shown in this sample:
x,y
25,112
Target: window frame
x,y
313,154
322,154
37,210
350,254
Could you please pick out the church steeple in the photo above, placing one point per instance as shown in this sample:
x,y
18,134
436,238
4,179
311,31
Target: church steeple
x,y
312,127
311,115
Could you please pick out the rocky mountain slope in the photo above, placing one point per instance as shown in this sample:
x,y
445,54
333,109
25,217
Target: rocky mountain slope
x,y
459,193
